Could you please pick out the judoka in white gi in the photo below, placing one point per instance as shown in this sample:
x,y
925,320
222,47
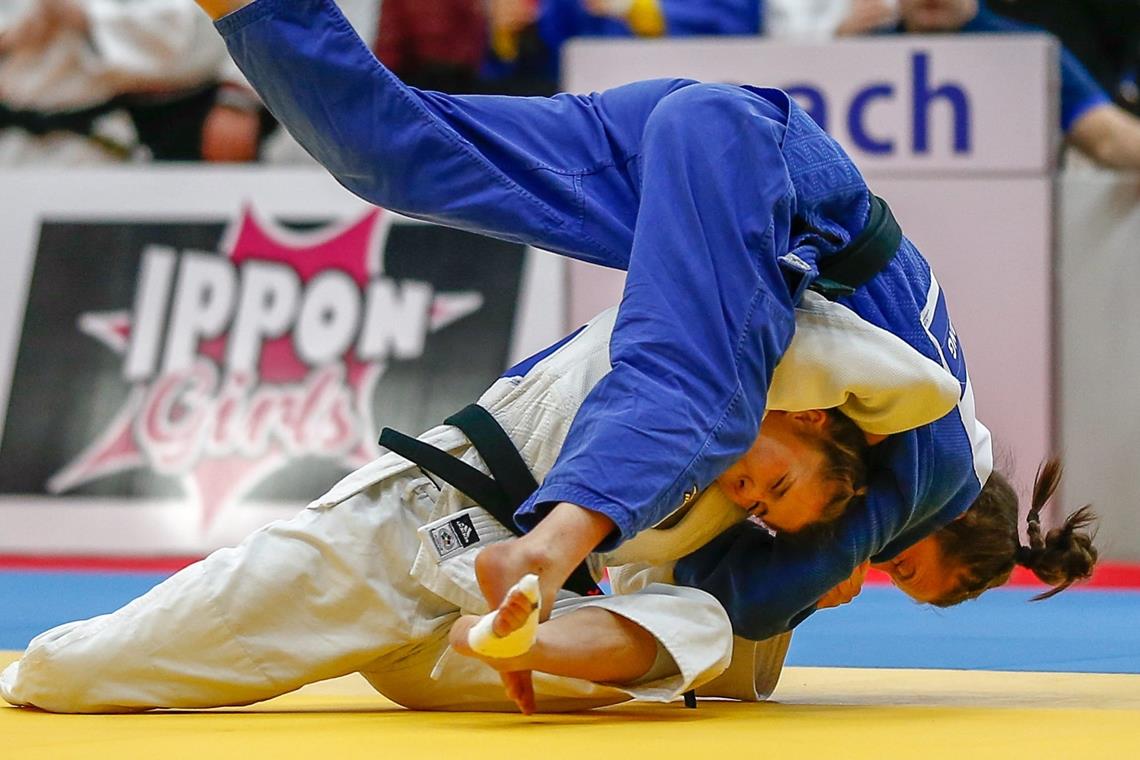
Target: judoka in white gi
x,y
63,63
371,576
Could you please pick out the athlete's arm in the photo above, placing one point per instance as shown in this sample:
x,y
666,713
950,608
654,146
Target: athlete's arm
x,y
551,551
1109,135
769,585
592,643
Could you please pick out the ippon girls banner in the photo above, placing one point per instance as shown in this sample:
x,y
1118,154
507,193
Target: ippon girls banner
x,y
180,374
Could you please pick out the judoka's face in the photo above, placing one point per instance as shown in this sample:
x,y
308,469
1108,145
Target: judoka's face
x,y
921,16
781,478
921,571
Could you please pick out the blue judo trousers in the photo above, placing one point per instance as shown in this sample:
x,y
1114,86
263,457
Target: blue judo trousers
x,y
719,201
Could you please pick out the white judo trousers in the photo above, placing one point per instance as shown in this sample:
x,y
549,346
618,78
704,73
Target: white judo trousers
x,y
357,583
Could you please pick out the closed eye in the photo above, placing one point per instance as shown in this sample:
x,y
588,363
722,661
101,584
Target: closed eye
x,y
780,487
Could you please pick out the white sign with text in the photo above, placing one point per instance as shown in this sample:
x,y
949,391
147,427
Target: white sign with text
x,y
906,104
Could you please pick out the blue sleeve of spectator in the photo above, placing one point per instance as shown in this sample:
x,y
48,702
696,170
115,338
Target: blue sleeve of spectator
x,y
1080,93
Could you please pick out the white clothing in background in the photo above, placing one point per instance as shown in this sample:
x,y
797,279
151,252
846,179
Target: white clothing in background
x,y
804,20
132,46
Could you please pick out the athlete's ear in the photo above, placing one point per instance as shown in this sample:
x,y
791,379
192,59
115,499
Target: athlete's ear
x,y
874,439
814,419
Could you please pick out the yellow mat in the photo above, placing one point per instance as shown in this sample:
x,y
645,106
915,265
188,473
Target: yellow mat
x,y
816,712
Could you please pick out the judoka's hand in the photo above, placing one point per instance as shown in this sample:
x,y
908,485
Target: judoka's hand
x,y
845,591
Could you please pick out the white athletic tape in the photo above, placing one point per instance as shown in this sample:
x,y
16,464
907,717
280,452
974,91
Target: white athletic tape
x,y
483,640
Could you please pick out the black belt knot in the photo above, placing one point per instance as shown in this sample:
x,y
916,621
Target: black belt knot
x,y
868,253
509,485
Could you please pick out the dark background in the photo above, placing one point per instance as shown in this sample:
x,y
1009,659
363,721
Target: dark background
x,y
68,386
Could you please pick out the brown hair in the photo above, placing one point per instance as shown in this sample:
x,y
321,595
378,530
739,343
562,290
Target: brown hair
x,y
984,545
845,453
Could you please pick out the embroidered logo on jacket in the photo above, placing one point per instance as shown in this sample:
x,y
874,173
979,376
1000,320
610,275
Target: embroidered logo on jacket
x,y
453,536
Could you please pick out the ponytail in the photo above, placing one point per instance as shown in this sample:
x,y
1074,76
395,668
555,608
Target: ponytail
x,y
1064,555
984,545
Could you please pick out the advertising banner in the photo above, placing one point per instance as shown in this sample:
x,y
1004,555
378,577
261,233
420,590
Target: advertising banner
x,y
907,104
223,365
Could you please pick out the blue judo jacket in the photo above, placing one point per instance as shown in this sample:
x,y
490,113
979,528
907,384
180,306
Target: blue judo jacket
x,y
718,200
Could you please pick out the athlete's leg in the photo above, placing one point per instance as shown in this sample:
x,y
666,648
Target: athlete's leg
x,y
551,172
313,598
705,316
687,628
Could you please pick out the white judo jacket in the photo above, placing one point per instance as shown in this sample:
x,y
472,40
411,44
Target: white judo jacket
x,y
836,360
363,580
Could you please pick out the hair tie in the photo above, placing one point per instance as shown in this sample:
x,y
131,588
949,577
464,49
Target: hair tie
x,y
1024,555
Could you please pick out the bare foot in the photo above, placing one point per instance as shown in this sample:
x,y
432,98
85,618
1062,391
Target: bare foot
x,y
551,551
500,566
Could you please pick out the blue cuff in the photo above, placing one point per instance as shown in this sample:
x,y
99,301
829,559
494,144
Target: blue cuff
x,y
242,17
547,496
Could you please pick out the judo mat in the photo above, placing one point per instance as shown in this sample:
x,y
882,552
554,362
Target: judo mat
x,y
816,712
910,694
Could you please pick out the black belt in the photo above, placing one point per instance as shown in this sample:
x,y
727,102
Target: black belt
x,y
868,253
509,485
33,122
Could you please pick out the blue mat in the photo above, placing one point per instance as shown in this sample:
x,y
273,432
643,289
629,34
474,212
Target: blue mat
x,y
1077,631
1081,631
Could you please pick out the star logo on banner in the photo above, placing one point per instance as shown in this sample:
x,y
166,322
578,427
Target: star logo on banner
x,y
221,433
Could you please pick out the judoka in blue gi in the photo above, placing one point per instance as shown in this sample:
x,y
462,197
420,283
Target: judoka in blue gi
x,y
721,202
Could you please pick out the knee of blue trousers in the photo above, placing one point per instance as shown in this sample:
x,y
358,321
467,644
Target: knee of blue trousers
x,y
709,118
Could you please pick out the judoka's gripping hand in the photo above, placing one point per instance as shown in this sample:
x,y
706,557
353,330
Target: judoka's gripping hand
x,y
845,591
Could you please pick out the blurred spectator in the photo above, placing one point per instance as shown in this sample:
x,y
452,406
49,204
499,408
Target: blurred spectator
x,y
433,44
235,126
1090,120
527,35
818,20
85,81
519,60
1103,34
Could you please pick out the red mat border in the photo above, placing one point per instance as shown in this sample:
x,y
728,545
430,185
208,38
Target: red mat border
x,y
94,564
1108,574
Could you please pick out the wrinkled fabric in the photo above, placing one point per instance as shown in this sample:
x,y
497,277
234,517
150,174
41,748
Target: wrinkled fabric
x,y
718,201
